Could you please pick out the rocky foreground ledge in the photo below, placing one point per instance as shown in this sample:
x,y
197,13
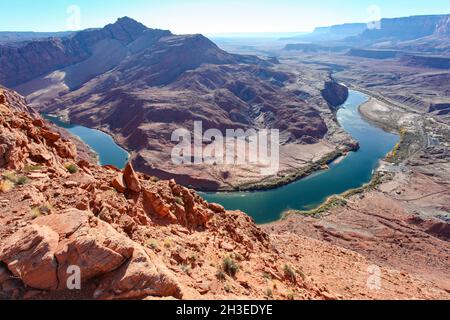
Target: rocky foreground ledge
x,y
132,236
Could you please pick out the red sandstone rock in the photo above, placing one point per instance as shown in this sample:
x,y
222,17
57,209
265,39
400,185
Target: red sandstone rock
x,y
39,123
29,255
131,179
126,250
217,208
155,203
118,183
50,135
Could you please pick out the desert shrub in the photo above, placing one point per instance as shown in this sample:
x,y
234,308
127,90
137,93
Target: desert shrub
x,y
22,180
35,212
221,275
30,168
168,243
179,201
186,269
6,186
230,266
153,244
42,210
11,176
72,168
289,273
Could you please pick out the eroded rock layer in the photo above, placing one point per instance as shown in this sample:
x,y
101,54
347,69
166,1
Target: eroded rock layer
x,y
131,236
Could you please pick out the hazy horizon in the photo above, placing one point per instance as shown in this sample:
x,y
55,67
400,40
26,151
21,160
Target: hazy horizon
x,y
219,18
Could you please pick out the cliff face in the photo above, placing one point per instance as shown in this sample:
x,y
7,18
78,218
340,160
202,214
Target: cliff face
x,y
426,61
24,61
132,236
408,28
373,54
333,33
334,93
443,28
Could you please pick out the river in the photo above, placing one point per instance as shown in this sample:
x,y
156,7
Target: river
x,y
355,170
352,172
103,144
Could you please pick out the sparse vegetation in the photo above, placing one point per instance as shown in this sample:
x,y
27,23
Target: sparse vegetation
x,y
153,245
301,274
14,179
31,168
43,210
168,243
186,269
289,273
154,179
72,168
267,276
269,292
35,213
6,186
193,258
22,180
332,202
221,275
230,266
179,201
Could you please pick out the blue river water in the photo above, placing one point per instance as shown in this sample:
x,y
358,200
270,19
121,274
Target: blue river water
x,y
108,151
355,170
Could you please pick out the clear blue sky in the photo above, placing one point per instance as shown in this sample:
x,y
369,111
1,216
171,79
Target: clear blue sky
x,y
206,16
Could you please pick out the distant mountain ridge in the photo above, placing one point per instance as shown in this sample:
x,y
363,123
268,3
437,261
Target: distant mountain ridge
x,y
399,29
27,60
332,33
141,84
429,34
19,36
402,29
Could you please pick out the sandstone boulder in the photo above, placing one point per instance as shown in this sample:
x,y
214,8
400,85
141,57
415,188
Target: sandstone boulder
x,y
131,179
29,256
144,275
38,123
50,135
66,150
40,256
118,183
154,202
217,208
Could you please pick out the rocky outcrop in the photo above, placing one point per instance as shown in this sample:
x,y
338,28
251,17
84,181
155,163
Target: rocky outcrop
x,y
402,29
43,254
67,223
443,27
373,54
426,61
335,93
26,141
131,180
29,255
